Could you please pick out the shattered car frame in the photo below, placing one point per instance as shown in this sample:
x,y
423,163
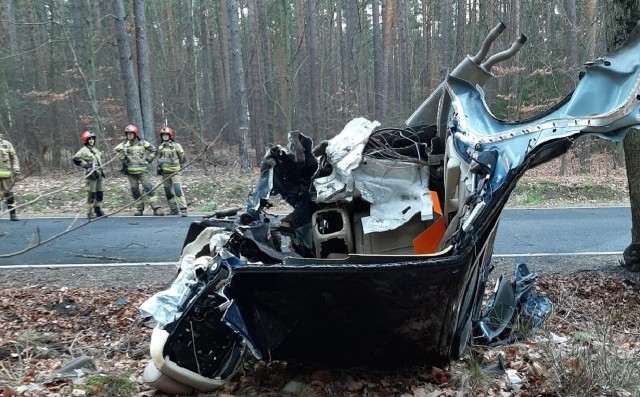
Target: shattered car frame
x,y
386,256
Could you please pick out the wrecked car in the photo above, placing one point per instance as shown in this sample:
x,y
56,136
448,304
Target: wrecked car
x,y
386,255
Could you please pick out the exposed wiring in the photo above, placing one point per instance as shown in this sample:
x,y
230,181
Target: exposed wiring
x,y
390,143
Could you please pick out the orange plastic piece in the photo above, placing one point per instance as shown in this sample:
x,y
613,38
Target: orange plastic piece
x,y
427,242
436,203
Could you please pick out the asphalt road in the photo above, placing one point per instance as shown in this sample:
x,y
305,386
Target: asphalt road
x,y
522,232
564,231
125,239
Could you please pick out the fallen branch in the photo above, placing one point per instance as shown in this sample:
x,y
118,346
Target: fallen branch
x,y
111,258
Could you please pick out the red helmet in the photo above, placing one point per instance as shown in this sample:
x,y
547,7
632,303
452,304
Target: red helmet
x,y
132,128
166,130
86,135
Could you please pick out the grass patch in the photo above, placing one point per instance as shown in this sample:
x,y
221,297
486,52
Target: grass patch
x,y
21,199
529,198
109,385
596,367
239,189
37,207
581,337
117,197
80,195
471,374
209,207
599,359
535,192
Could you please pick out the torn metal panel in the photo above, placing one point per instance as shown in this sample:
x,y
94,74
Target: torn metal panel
x,y
396,191
167,306
286,171
501,308
585,111
263,188
513,305
344,154
208,241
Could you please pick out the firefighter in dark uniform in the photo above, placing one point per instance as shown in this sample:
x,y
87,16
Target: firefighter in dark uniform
x,y
137,154
171,159
90,158
9,173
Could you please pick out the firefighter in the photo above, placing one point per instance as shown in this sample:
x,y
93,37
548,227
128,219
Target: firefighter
x,y
171,159
9,173
136,155
89,158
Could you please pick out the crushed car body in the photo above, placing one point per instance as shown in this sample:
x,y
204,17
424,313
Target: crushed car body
x,y
386,255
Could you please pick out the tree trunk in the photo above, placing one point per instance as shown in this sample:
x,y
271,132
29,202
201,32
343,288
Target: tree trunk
x,y
256,103
225,74
239,95
43,55
591,28
208,101
14,45
90,65
12,77
314,68
583,146
79,38
144,73
352,58
284,65
404,63
426,49
342,85
461,19
194,70
631,145
301,117
490,22
266,72
377,59
623,16
131,93
515,82
387,51
445,37
109,52
45,70
18,85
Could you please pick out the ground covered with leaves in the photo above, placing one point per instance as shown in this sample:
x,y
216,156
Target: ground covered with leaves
x,y
589,346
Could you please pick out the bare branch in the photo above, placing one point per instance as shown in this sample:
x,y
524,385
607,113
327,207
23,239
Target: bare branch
x,y
30,49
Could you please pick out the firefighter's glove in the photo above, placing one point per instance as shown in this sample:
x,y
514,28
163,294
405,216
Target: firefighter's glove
x,y
88,166
16,175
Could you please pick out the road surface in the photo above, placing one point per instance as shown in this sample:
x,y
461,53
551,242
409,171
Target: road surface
x,y
133,240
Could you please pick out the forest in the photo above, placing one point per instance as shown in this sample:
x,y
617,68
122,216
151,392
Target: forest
x,y
243,73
